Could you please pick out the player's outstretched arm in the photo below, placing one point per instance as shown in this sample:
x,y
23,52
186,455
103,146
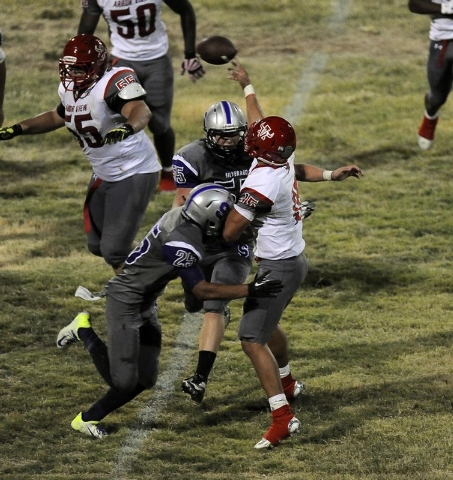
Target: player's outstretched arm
x,y
42,123
261,286
310,173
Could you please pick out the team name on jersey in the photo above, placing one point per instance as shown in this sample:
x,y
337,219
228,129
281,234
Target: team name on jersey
x,y
77,108
237,173
123,3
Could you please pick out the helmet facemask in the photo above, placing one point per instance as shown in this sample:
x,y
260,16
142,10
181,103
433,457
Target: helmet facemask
x,y
225,125
83,63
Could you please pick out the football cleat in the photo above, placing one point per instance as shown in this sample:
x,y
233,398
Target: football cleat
x,y
426,132
68,335
194,387
284,424
293,390
92,429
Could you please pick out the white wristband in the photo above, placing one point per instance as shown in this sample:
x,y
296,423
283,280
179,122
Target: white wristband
x,y
327,175
446,8
249,90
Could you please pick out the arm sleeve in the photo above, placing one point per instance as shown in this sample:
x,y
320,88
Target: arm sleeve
x,y
91,7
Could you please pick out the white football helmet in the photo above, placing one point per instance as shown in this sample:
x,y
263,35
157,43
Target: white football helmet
x,y
207,206
227,120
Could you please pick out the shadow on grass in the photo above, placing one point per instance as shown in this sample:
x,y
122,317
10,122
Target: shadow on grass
x,y
365,276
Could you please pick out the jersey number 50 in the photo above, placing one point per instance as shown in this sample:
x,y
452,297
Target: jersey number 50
x,y
146,17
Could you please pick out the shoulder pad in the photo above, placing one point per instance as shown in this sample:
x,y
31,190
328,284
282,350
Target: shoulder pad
x,y
132,91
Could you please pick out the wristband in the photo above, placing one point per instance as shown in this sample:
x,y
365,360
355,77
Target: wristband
x,y
249,90
327,175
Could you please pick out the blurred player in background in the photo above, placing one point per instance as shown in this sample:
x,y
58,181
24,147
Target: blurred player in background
x,y
219,158
439,65
104,109
140,41
172,248
269,204
2,80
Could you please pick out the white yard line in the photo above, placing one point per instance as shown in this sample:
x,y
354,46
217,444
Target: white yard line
x,y
309,78
188,334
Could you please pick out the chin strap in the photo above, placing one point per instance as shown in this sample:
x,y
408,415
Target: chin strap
x,y
271,163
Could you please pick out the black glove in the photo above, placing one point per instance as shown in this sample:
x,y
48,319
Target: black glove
x,y
118,134
307,208
260,287
7,133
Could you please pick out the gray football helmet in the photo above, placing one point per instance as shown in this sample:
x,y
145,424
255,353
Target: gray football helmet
x,y
225,119
207,206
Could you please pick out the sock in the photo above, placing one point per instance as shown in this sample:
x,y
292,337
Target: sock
x,y
88,336
110,402
278,401
433,117
285,376
206,361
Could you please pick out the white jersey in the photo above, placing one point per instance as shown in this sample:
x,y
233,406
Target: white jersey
x,y
90,118
137,31
270,200
441,28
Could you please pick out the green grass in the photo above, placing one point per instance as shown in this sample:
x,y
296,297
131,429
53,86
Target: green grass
x,y
370,330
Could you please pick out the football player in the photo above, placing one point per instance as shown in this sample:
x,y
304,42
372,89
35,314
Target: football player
x,y
219,158
172,248
140,41
2,80
439,65
269,204
103,108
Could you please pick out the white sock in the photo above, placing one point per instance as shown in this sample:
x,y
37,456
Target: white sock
x,y
284,371
429,117
277,401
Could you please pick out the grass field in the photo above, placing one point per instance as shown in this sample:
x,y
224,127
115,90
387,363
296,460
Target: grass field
x,y
371,329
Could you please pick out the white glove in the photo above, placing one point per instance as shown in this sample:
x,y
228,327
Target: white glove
x,y
446,7
194,68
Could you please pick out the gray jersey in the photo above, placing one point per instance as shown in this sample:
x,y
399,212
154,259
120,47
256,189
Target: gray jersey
x,y
195,163
223,263
172,248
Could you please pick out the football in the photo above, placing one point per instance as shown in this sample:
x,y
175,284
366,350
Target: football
x,y
216,50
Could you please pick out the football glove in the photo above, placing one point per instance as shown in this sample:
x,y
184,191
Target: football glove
x,y
307,208
194,68
261,287
7,133
446,7
118,134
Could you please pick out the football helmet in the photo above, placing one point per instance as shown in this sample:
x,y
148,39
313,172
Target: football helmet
x,y
83,63
227,120
207,206
271,139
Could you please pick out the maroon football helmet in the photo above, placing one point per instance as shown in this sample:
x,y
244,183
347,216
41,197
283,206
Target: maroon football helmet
x,y
271,139
83,63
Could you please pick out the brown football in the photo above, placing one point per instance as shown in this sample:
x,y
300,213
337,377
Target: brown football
x,y
216,50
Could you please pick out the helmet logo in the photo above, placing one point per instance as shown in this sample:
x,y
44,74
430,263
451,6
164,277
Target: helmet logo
x,y
265,131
